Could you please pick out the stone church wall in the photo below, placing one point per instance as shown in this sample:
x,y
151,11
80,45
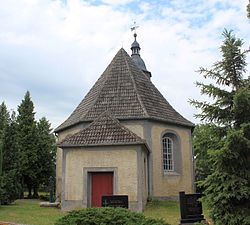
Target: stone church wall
x,y
168,184
61,136
78,162
155,182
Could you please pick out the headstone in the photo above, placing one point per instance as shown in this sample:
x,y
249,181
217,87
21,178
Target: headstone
x,y
51,189
191,208
115,201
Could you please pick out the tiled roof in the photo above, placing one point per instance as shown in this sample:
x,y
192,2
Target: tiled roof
x,y
127,92
105,130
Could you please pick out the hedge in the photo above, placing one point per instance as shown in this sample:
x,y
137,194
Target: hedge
x,y
107,216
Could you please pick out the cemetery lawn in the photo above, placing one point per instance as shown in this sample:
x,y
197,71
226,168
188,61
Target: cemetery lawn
x,y
29,212
168,210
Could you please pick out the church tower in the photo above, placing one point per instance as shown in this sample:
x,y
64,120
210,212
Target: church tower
x,y
135,47
124,138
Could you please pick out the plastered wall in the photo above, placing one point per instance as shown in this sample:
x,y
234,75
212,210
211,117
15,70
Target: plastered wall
x,y
161,185
124,159
169,184
61,136
136,127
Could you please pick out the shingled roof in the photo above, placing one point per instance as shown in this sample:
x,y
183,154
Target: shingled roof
x,y
128,93
105,130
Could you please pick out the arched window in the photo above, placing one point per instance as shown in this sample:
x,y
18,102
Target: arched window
x,y
171,153
168,161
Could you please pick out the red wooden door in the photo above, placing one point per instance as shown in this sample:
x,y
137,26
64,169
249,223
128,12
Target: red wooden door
x,y
102,184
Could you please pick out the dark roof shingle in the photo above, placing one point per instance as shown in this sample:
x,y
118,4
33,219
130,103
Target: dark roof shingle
x,y
127,92
105,130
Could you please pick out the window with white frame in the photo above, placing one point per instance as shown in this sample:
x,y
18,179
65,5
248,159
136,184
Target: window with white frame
x,y
168,159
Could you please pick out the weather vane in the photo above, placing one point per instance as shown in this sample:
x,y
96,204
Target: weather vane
x,y
134,27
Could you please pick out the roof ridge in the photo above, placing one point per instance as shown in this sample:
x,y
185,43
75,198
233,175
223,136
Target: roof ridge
x,y
128,93
122,126
102,85
135,87
171,106
78,139
92,102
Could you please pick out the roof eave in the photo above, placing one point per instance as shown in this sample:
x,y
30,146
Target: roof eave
x,y
191,125
102,144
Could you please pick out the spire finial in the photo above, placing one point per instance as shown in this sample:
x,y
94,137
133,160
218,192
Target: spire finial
x,y
135,47
133,28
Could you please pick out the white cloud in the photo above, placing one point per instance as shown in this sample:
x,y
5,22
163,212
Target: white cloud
x,y
117,2
57,49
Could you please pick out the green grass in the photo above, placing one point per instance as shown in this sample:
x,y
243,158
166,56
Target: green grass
x,y
168,210
29,212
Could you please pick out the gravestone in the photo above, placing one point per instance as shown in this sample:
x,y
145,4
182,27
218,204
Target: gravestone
x,y
191,208
115,201
51,189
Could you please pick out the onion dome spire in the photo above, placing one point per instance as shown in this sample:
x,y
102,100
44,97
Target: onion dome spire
x,y
135,47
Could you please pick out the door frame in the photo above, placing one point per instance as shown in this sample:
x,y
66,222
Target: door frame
x,y
87,182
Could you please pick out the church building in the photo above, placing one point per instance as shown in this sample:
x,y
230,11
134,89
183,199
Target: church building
x,y
124,138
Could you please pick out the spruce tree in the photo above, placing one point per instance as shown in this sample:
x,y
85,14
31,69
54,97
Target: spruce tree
x,y
27,142
227,188
4,117
11,164
248,10
46,149
228,77
206,139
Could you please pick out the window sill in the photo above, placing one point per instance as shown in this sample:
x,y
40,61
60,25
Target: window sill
x,y
170,173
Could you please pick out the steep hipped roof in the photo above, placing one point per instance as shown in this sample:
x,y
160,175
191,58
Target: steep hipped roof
x,y
105,130
127,92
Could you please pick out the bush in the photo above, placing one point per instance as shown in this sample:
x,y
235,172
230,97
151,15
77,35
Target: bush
x,y
107,216
9,188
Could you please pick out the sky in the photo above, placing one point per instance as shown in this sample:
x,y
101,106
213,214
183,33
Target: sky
x,y
57,49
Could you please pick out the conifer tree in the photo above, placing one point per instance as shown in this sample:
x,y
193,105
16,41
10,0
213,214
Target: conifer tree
x,y
248,10
228,76
27,142
206,139
27,152
227,188
46,149
11,165
4,116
